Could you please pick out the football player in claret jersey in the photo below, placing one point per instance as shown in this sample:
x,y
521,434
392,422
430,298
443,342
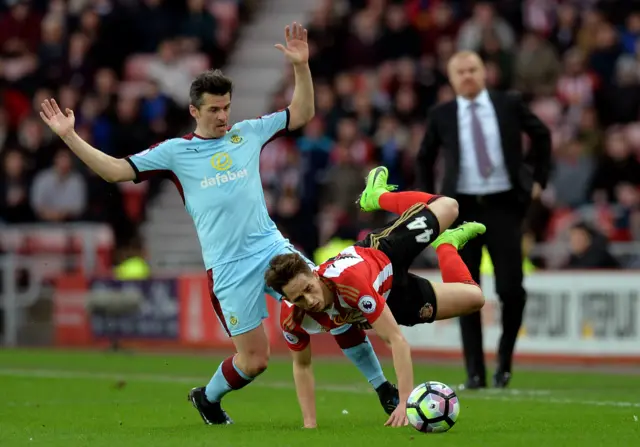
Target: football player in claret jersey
x,y
216,170
369,283
297,327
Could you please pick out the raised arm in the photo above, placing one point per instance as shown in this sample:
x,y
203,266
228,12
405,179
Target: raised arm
x,y
302,107
109,168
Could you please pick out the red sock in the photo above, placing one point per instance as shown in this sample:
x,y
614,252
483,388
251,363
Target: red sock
x,y
452,266
232,376
399,202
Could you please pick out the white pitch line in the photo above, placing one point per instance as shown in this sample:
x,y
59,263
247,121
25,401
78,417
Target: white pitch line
x,y
507,395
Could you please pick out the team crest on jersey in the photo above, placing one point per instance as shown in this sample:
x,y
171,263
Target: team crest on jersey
x,y
367,304
221,161
290,337
233,320
235,139
426,312
350,316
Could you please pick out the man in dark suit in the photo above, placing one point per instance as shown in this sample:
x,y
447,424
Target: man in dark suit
x,y
479,135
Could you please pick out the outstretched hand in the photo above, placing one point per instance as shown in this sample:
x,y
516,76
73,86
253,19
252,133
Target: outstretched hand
x,y
61,123
398,418
296,48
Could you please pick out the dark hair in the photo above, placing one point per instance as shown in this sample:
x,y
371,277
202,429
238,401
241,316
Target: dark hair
x,y
283,268
212,82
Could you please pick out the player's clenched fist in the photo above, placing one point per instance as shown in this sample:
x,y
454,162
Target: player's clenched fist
x,y
61,123
399,417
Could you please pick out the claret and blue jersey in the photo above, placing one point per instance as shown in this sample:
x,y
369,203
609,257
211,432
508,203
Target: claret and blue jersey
x,y
219,180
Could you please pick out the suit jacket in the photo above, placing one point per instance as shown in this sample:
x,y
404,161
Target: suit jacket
x,y
513,117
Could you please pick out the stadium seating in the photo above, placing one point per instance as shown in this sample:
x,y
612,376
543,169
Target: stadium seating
x,y
378,66
577,66
66,66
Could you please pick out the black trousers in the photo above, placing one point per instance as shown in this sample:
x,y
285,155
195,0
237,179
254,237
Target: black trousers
x,y
503,215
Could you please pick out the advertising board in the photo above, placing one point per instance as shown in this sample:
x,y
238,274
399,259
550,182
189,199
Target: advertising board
x,y
569,316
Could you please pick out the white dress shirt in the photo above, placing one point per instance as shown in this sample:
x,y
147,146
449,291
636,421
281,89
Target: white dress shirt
x,y
470,181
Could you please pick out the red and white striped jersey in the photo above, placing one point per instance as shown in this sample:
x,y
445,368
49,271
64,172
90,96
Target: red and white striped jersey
x,y
298,325
361,279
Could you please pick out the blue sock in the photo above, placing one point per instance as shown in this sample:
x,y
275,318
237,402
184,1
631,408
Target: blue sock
x,y
228,377
367,362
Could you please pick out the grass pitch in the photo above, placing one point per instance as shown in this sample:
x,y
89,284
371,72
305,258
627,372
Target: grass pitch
x,y
54,398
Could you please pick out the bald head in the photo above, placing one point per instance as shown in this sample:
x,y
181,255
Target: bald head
x,y
466,74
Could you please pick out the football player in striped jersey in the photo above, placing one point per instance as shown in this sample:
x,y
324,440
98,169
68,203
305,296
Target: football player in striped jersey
x,y
369,283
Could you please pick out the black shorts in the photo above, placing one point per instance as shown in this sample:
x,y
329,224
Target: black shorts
x,y
412,299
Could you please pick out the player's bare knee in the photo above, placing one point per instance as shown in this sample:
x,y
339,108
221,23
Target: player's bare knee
x,y
257,364
445,210
253,359
475,298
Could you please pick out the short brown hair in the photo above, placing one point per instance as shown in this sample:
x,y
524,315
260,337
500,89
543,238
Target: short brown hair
x,y
212,82
283,268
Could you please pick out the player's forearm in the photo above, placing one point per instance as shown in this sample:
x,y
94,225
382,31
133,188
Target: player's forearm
x,y
302,107
403,366
109,168
305,384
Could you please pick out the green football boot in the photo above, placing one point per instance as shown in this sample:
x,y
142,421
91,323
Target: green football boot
x,y
376,186
458,237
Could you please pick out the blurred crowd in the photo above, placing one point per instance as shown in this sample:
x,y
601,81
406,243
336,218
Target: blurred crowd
x,y
379,65
124,67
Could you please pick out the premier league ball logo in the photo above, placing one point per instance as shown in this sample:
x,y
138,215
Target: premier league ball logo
x,y
367,304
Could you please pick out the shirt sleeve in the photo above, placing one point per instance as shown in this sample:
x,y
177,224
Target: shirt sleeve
x,y
359,294
269,127
80,188
156,159
296,337
296,340
38,191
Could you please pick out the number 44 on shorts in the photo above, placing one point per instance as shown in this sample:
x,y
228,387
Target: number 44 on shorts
x,y
420,223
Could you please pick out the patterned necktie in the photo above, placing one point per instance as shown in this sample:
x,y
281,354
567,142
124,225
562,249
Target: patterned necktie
x,y
480,144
